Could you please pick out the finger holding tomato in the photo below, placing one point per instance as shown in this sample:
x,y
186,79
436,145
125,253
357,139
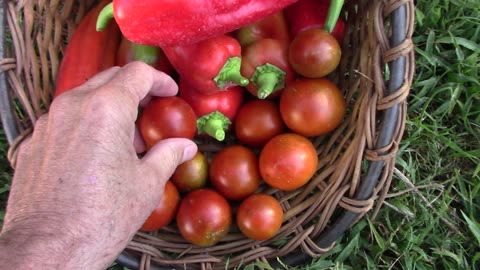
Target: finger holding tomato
x,y
191,174
165,211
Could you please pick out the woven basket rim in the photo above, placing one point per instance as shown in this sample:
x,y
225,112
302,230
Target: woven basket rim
x,y
398,56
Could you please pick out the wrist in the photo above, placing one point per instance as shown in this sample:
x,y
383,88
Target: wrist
x,y
29,248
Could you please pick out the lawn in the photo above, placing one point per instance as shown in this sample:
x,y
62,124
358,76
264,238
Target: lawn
x,y
431,218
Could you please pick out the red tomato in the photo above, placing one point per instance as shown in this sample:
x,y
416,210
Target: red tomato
x,y
259,217
204,217
314,53
288,161
234,172
257,122
191,174
167,117
312,107
165,211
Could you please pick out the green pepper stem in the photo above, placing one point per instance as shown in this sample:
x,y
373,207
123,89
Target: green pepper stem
x,y
267,82
214,128
146,54
268,78
333,15
230,74
214,124
105,16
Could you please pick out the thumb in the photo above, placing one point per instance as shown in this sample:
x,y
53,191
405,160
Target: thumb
x,y
164,157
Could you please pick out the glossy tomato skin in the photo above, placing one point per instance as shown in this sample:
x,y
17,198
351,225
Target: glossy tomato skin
x,y
259,216
191,174
234,172
257,122
288,161
165,211
312,107
314,53
204,217
166,117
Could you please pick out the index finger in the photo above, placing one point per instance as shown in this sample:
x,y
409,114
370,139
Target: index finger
x,y
136,80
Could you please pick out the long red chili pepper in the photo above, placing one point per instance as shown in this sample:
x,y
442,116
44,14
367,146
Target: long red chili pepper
x,y
154,56
266,64
166,22
210,65
216,112
88,52
274,26
306,14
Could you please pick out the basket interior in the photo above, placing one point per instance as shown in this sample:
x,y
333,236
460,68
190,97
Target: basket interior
x,y
37,32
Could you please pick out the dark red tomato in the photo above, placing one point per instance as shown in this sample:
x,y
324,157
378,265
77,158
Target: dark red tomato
x,y
260,216
314,53
204,217
312,107
234,172
165,211
288,161
191,174
257,122
166,117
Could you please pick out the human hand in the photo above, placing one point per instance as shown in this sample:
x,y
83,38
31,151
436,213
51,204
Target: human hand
x,y
80,192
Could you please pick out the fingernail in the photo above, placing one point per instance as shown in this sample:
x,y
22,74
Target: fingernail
x,y
189,152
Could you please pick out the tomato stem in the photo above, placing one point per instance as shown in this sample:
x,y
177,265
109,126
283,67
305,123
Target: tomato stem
x,y
230,75
268,78
214,124
333,15
105,16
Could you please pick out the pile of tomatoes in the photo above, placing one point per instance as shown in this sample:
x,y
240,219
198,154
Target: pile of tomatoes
x,y
265,142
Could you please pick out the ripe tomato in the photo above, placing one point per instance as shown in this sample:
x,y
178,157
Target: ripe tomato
x,y
312,107
204,217
288,161
314,53
165,211
234,172
167,117
257,122
260,216
191,174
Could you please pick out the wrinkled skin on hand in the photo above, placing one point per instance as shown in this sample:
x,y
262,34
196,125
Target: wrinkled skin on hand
x,y
80,191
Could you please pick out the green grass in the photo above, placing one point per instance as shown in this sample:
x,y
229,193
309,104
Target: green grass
x,y
431,219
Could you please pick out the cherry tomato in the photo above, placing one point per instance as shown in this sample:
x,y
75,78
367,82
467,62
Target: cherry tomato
x,y
167,117
165,211
257,122
204,217
191,174
312,107
288,161
234,172
314,53
259,217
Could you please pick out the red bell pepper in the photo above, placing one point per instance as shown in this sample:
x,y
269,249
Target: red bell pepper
x,y
210,65
88,52
266,64
306,14
274,26
216,112
151,55
166,22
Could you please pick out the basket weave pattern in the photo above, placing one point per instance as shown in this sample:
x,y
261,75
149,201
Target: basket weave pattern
x,y
40,29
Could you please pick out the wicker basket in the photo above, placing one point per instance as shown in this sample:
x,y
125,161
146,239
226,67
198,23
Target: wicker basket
x,y
356,161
